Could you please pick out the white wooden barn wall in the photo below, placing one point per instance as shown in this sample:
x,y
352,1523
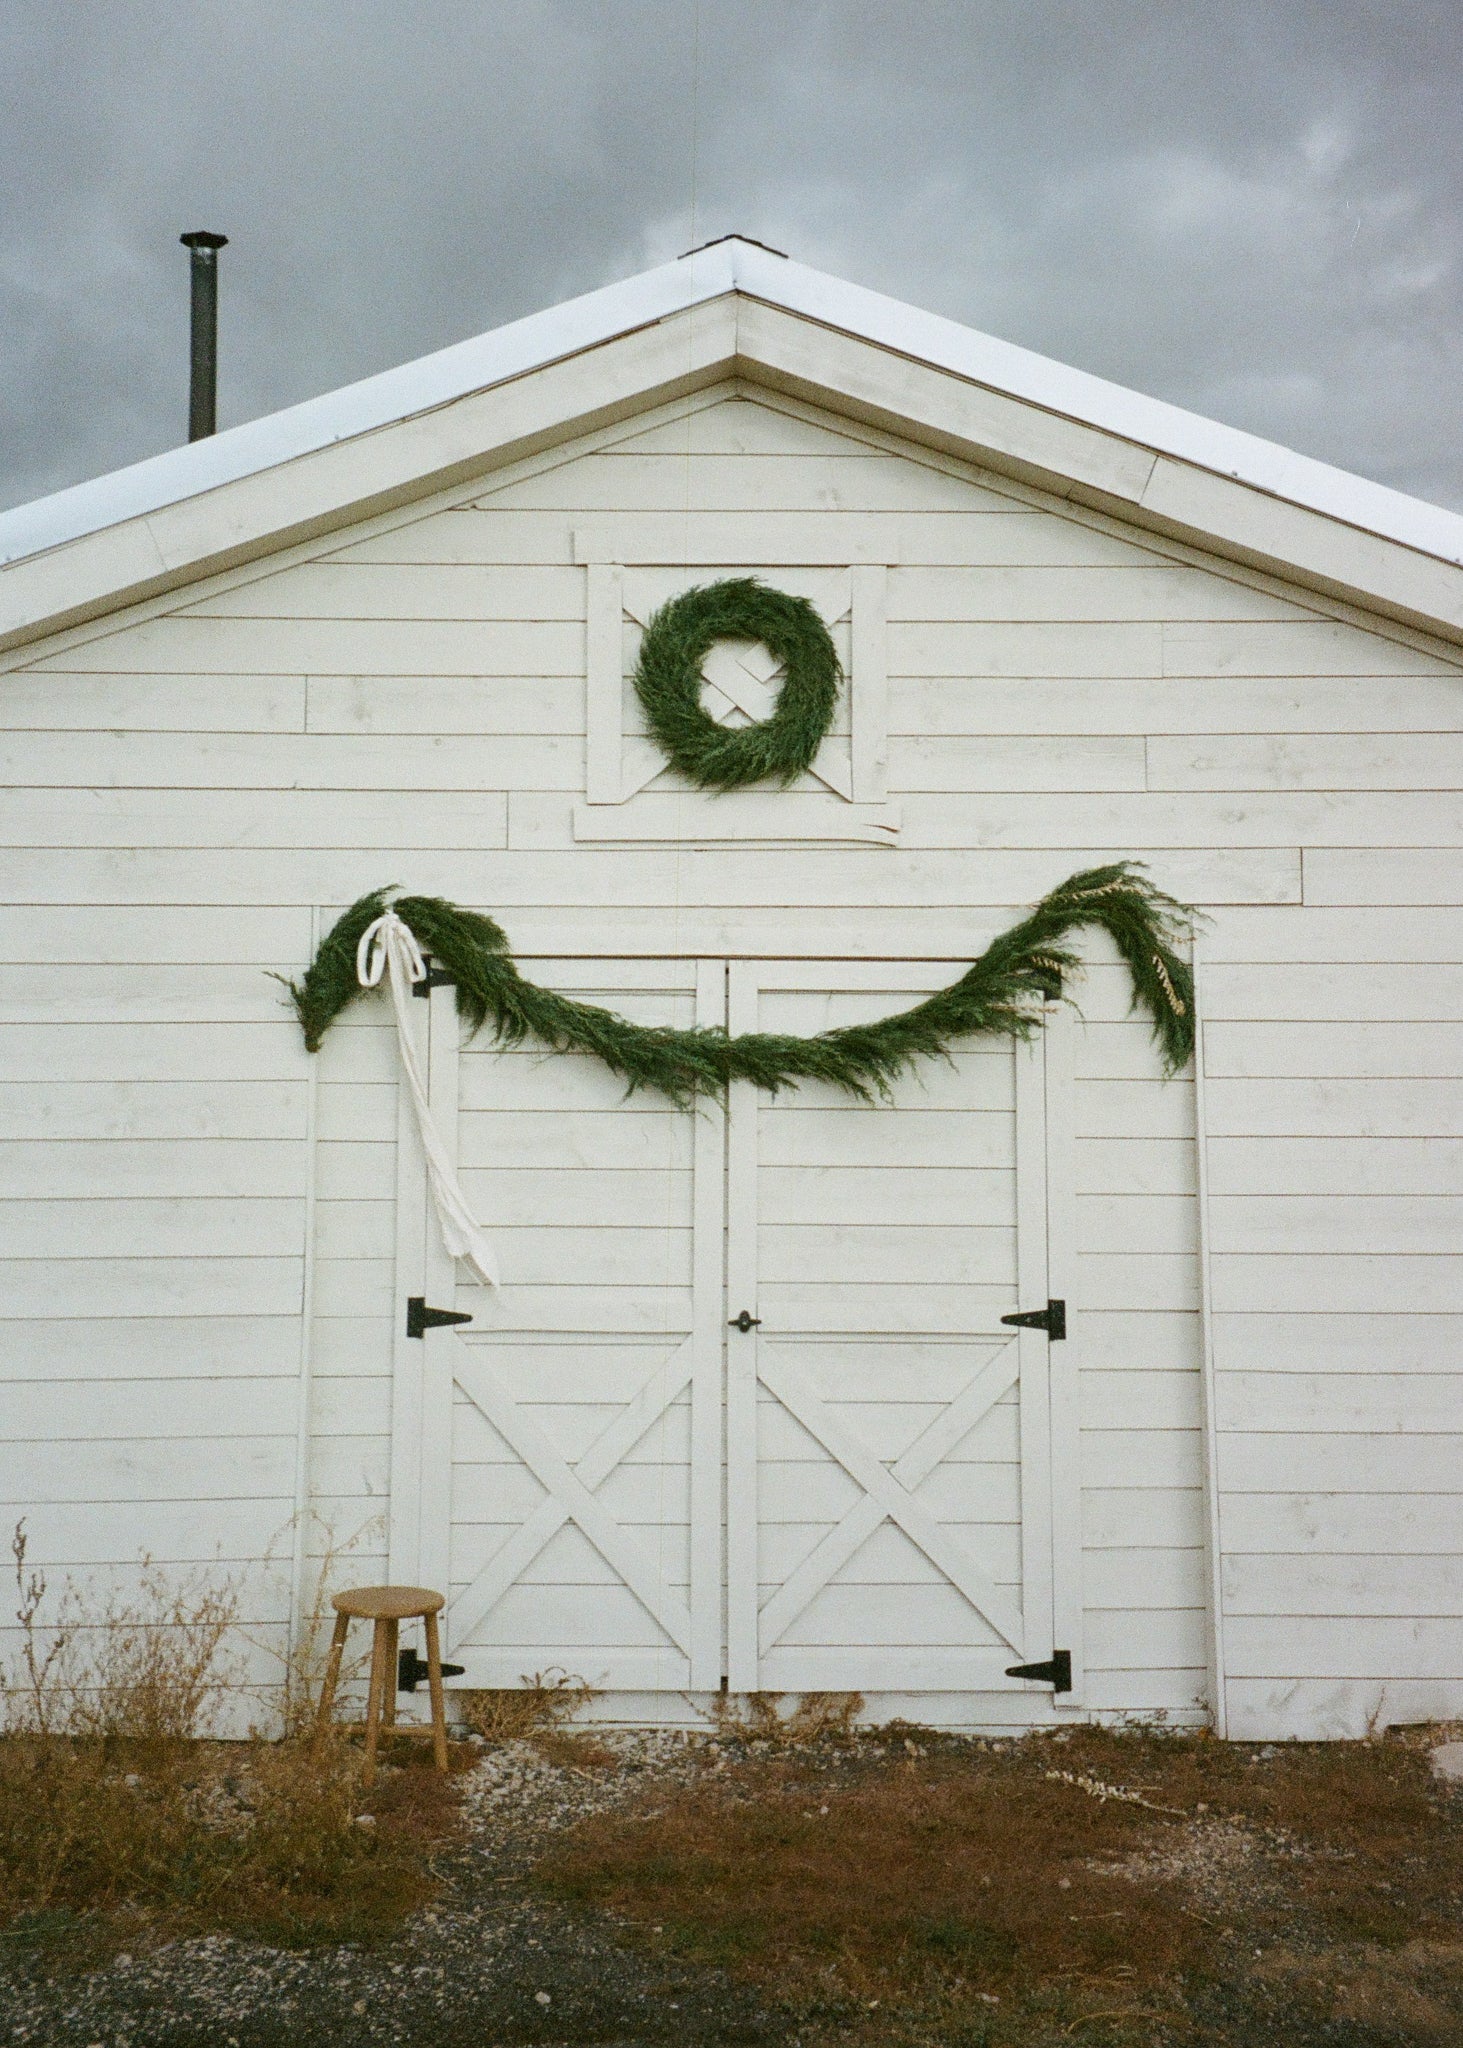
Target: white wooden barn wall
x,y
406,702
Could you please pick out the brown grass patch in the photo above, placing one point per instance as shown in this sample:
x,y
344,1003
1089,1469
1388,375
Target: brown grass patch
x,y
914,1887
259,1838
112,1799
923,1871
1356,1835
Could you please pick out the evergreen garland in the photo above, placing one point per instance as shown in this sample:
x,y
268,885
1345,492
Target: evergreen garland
x,y
668,683
1002,992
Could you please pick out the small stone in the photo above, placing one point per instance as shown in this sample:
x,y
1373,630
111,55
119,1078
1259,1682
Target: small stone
x,y
124,1962
543,1998
132,1778
1447,1762
365,1820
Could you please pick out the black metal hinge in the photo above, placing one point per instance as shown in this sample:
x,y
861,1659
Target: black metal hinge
x,y
412,1669
1056,1672
420,1318
1052,1319
437,977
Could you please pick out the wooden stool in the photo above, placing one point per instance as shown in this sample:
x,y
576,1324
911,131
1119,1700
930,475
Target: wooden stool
x,y
387,1607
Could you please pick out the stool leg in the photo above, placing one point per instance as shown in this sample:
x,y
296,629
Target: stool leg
x,y
332,1674
434,1681
388,1703
375,1697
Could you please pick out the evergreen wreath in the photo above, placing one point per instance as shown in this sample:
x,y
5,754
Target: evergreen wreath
x,y
1003,992
668,683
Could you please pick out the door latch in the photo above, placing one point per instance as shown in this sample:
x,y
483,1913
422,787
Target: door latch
x,y
744,1322
1056,1672
412,1669
420,1318
1052,1319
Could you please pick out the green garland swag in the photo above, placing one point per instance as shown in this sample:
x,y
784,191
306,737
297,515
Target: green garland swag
x,y
668,683
1002,992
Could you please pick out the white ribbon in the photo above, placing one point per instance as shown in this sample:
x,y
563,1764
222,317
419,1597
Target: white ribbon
x,y
389,948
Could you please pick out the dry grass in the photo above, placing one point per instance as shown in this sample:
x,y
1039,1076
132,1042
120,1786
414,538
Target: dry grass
x,y
760,1717
918,1889
540,1707
112,1799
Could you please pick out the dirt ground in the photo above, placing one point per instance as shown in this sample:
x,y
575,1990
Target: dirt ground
x,y
885,1889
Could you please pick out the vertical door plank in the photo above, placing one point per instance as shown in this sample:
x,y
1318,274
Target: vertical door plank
x,y
1036,1346
407,1446
444,1037
707,1339
1065,1359
741,1355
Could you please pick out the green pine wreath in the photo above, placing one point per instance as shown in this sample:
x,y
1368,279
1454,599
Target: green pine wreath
x,y
668,683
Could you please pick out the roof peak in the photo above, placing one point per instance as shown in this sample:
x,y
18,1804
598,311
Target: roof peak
x,y
747,242
728,264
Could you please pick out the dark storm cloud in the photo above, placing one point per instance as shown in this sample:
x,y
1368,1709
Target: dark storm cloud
x,y
1250,209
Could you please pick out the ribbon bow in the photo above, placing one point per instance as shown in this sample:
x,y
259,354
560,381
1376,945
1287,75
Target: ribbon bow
x,y
390,939
389,951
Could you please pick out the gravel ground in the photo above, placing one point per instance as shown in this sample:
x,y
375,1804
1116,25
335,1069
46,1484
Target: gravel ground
x,y
474,1969
491,1963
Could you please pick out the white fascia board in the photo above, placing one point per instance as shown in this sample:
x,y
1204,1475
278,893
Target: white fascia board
x,y
727,266
381,401
1093,402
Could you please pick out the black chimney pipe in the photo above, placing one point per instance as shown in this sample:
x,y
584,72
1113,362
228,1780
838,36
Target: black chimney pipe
x,y
203,251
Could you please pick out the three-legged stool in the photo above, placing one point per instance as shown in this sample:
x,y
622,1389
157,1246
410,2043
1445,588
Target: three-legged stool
x,y
387,1607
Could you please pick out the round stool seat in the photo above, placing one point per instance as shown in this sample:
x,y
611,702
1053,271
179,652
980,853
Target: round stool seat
x,y
388,1603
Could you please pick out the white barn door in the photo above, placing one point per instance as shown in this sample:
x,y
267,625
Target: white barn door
x,y
870,1487
558,1459
890,1485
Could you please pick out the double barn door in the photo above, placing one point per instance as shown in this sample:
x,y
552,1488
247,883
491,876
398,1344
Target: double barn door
x,y
744,1410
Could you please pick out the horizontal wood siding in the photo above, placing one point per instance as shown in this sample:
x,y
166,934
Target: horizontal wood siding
x,y
1335,1175
405,702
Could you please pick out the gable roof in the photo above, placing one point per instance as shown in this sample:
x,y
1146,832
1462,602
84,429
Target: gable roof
x,y
1167,468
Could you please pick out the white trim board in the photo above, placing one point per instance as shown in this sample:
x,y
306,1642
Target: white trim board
x,y
728,309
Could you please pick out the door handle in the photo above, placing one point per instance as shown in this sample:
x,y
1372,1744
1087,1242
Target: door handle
x,y
744,1322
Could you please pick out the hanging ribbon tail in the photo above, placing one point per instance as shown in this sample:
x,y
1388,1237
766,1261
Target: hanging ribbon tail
x,y
388,951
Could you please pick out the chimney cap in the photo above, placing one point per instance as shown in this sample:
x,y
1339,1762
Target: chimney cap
x,y
200,238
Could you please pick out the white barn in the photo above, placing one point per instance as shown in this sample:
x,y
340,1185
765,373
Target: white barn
x,y
383,638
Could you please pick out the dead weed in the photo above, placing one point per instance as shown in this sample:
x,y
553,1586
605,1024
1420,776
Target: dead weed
x,y
760,1717
112,1798
536,1710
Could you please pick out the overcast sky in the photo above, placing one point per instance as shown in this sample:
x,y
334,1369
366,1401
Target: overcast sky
x,y
1249,207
